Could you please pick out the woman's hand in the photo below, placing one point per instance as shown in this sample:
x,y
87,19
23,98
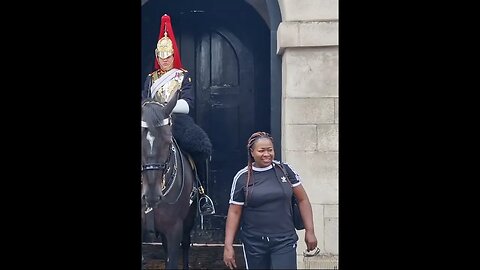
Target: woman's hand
x,y
310,240
229,257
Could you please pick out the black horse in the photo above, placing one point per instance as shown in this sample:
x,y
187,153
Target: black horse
x,y
167,183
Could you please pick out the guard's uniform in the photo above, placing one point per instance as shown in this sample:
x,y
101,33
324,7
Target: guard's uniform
x,y
185,85
267,232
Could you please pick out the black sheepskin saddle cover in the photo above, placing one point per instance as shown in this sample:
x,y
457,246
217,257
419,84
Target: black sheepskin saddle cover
x,y
190,136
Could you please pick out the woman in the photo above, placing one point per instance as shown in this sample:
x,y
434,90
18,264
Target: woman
x,y
260,205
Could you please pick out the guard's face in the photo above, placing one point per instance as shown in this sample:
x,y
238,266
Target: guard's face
x,y
262,152
166,63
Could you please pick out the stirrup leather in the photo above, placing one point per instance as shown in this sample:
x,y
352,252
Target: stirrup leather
x,y
193,194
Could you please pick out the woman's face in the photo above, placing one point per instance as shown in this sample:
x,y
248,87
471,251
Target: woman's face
x,y
166,63
262,152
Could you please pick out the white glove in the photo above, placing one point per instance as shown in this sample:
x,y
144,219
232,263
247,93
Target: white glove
x,y
181,107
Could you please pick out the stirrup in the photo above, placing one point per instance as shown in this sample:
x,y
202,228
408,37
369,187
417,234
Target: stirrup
x,y
207,201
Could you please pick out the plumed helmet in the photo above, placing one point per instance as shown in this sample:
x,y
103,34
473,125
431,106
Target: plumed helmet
x,y
164,47
166,44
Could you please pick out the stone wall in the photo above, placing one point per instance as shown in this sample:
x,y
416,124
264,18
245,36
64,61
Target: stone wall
x,y
307,40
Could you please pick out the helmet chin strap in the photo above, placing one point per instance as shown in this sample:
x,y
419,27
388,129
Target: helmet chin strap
x,y
167,69
161,67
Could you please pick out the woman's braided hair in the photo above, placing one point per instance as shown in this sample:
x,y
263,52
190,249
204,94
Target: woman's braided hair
x,y
251,141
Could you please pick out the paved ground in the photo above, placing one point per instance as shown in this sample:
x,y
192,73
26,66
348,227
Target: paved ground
x,y
201,257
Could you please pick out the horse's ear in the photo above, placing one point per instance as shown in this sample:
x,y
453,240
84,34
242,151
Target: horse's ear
x,y
171,104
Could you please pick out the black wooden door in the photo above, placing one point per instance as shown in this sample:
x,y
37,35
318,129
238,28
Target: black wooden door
x,y
226,109
232,100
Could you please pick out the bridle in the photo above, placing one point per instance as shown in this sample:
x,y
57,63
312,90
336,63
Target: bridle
x,y
165,122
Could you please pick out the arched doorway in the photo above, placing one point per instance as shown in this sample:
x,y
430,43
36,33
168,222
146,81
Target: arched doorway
x,y
229,49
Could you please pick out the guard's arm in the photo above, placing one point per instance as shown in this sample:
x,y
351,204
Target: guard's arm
x,y
187,93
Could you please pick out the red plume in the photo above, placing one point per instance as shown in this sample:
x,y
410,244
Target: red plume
x,y
166,23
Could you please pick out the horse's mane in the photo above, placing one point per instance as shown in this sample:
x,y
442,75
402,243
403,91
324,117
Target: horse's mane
x,y
152,115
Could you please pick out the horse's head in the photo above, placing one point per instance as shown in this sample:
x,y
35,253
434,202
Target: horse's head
x,y
157,141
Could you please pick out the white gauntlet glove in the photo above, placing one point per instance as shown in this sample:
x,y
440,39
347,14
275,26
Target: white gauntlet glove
x,y
181,107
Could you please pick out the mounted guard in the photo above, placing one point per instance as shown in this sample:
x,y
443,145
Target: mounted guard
x,y
168,77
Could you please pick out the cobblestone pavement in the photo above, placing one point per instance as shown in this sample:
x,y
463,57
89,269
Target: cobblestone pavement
x,y
201,257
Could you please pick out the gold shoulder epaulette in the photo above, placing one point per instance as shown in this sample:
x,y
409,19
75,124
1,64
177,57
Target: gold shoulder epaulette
x,y
154,75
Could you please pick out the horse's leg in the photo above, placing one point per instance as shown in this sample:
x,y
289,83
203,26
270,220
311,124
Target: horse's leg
x,y
187,228
174,238
164,245
186,249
